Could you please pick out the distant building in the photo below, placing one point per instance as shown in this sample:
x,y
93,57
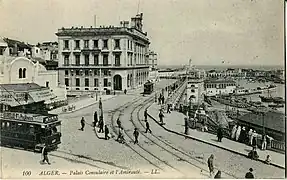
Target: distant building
x,y
216,74
49,51
103,58
219,87
195,91
152,61
16,48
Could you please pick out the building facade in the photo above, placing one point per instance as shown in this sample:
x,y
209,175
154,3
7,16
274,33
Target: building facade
x,y
153,71
103,58
19,70
219,87
195,91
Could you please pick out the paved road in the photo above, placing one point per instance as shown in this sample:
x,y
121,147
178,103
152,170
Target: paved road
x,y
162,152
79,150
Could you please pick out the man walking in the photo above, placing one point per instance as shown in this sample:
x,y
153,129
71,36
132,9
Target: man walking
x,y
186,126
82,123
101,126
219,134
147,127
119,123
136,134
106,133
120,136
210,165
161,117
45,155
145,115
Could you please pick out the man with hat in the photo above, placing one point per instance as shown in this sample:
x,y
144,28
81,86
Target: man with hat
x,y
249,175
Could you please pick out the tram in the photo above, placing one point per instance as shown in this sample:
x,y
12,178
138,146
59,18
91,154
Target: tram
x,y
148,87
30,131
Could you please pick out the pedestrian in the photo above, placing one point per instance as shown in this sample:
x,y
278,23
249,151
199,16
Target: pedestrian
x,y
101,126
219,134
45,155
161,117
242,135
249,175
250,136
264,142
254,139
120,135
233,132
168,109
147,127
238,133
125,91
210,165
136,134
95,118
100,104
106,132
82,123
186,126
119,123
253,154
218,175
145,115
162,99
268,159
159,100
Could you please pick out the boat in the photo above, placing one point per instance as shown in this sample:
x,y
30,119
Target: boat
x,y
278,100
276,105
266,99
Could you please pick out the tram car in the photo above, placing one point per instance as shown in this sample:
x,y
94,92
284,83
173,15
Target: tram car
x,y
30,131
148,87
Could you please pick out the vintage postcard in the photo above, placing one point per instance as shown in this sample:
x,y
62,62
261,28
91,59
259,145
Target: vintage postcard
x,y
184,89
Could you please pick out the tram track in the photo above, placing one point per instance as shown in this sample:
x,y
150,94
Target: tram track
x,y
171,146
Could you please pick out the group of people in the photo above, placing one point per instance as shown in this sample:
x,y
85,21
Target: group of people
x,y
250,137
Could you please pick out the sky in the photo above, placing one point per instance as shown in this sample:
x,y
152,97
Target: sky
x,y
210,32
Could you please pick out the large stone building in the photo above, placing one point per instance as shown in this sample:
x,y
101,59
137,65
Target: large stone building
x,y
103,58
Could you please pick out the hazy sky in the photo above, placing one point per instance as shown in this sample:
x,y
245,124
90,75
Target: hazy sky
x,y
238,32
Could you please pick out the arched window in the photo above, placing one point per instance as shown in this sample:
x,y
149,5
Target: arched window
x,y
20,73
24,73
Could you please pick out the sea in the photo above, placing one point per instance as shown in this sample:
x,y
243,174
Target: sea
x,y
278,91
224,67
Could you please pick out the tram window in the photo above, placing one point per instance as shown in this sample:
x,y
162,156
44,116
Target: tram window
x,y
20,127
8,125
3,125
31,129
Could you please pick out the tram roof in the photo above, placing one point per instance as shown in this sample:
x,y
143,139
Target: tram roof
x,y
29,117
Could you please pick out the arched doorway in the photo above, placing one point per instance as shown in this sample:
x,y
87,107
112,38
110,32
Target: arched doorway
x,y
117,82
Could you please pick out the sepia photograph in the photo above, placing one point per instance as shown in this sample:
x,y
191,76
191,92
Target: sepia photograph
x,y
143,89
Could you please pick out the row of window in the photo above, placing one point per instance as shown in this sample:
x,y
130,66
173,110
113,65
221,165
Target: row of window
x,y
96,60
218,85
22,73
138,48
95,44
87,82
89,72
